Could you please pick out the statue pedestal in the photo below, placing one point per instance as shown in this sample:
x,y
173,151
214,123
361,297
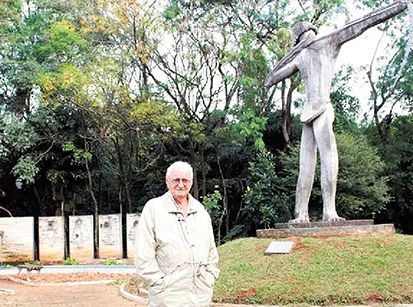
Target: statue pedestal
x,y
325,229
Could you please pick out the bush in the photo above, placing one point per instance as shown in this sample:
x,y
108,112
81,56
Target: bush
x,y
112,261
264,203
71,261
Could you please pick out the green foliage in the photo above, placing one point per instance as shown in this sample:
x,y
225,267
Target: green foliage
x,y
212,202
78,154
254,71
94,82
18,137
158,116
26,169
171,11
346,106
362,189
71,261
249,128
263,203
397,153
68,81
112,261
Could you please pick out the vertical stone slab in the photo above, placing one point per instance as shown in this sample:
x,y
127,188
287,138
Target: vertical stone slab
x,y
110,236
132,221
51,238
16,239
81,237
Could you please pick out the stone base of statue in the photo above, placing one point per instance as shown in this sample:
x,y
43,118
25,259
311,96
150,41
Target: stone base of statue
x,y
323,229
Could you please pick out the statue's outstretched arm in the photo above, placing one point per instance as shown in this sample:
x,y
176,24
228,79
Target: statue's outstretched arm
x,y
281,73
358,26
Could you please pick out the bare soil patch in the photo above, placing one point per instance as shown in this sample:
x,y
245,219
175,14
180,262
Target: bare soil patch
x,y
75,296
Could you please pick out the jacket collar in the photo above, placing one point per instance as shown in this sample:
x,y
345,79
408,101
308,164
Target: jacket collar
x,y
172,207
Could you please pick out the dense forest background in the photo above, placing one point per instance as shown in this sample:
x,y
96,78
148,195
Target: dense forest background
x,y
98,97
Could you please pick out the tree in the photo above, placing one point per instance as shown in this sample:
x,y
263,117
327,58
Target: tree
x,y
397,154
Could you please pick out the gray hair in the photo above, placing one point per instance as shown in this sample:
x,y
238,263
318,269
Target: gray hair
x,y
181,166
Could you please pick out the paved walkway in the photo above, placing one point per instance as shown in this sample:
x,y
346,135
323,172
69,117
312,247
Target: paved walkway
x,y
71,296
115,269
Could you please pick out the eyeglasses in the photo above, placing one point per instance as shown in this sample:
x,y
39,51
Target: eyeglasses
x,y
178,180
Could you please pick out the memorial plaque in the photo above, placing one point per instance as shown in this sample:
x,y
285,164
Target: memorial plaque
x,y
279,247
132,221
51,238
81,237
110,236
16,239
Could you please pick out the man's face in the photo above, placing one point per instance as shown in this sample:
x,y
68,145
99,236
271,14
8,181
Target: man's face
x,y
179,183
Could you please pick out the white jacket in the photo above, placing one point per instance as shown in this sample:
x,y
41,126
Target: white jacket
x,y
176,255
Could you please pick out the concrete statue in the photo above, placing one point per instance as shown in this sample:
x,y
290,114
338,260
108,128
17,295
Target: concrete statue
x,y
314,58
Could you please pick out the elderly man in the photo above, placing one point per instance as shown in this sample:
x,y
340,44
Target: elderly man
x,y
314,58
175,250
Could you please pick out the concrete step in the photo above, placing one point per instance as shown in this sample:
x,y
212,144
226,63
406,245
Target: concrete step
x,y
326,231
324,224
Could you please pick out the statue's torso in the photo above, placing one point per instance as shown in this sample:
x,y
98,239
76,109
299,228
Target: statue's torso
x,y
316,66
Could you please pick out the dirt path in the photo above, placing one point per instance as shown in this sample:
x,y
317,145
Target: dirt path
x,y
72,296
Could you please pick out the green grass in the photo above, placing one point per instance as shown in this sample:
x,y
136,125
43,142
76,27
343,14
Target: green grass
x,y
319,271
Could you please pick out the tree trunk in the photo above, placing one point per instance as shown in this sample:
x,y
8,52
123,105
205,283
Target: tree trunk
x,y
194,163
122,176
203,170
225,198
89,188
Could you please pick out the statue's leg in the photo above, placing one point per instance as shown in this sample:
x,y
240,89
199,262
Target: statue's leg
x,y
308,156
326,142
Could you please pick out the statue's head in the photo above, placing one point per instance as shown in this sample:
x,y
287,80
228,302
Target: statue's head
x,y
300,28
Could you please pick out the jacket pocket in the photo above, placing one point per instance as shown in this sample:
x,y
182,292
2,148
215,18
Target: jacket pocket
x,y
169,278
158,287
205,276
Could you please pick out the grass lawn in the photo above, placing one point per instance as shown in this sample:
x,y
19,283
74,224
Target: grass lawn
x,y
319,271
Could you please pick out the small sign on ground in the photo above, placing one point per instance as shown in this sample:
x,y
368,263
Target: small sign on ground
x,y
279,247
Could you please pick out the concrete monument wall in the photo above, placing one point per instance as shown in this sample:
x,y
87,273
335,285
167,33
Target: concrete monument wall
x,y
110,236
16,239
132,221
81,237
51,238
